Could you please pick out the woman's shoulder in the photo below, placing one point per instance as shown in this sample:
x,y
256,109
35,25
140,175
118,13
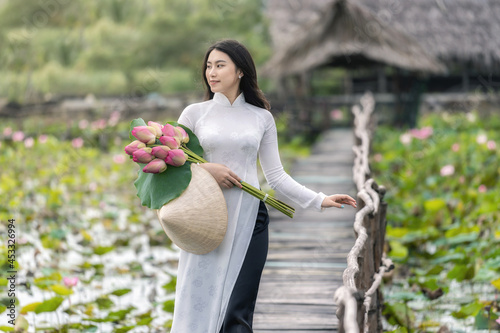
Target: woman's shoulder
x,y
265,116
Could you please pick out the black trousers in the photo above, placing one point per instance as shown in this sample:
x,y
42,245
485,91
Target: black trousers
x,y
239,315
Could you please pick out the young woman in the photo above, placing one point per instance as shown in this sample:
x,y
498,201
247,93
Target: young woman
x,y
216,292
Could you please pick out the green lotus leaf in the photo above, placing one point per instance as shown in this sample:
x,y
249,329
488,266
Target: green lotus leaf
x,y
49,305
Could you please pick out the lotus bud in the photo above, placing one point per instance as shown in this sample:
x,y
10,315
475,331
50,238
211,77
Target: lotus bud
x,y
160,152
155,166
184,136
133,146
143,155
176,157
170,142
146,134
169,130
157,128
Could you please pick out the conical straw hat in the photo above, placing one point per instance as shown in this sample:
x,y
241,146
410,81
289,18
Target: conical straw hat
x,y
196,221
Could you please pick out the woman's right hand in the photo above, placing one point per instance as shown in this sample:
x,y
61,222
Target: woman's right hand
x,y
222,174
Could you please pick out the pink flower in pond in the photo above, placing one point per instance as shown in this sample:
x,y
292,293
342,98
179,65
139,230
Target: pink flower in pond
x,y
119,159
447,170
405,138
18,136
422,133
336,114
29,142
498,321
77,143
461,180
7,131
43,138
482,188
455,147
481,138
378,157
92,187
491,145
83,124
70,281
114,118
99,124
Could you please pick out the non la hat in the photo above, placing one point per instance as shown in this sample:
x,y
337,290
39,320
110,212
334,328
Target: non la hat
x,y
196,221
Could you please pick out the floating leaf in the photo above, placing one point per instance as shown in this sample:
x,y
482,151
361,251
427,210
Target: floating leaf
x,y
468,310
170,286
496,283
104,303
434,205
120,314
29,308
49,305
398,250
100,250
120,292
61,290
168,306
7,328
2,308
123,329
461,272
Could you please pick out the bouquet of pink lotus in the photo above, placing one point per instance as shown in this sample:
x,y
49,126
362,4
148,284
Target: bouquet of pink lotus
x,y
162,151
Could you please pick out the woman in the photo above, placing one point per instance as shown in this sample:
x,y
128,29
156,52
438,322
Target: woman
x,y
216,292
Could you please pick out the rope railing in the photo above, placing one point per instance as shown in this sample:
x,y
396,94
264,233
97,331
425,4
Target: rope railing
x,y
359,300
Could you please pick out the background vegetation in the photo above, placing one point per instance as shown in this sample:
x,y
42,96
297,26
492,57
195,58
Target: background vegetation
x,y
443,221
105,47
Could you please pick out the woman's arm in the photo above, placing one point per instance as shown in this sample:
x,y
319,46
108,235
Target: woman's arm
x,y
279,180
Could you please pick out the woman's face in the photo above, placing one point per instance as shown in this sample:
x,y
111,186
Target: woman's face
x,y
222,74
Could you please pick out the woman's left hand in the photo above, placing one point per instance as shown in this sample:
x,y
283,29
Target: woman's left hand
x,y
338,200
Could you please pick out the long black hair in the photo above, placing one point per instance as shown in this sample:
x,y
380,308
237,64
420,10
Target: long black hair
x,y
244,62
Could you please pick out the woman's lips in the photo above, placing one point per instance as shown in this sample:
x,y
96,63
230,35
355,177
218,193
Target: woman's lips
x,y
213,82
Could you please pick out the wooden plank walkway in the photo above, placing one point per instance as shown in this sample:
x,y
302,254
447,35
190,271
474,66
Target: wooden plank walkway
x,y
307,255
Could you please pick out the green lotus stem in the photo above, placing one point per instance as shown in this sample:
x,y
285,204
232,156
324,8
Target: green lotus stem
x,y
259,194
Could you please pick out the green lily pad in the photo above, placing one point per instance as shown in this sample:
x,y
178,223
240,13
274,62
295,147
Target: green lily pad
x,y
49,305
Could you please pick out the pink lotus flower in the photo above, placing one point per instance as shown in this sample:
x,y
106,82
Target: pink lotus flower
x,y
447,170
7,131
183,134
99,124
133,146
119,159
482,188
481,138
114,118
491,145
405,138
143,155
176,157
43,138
29,142
70,281
157,128
336,114
155,166
83,124
146,134
422,133
455,147
169,141
160,152
77,143
18,136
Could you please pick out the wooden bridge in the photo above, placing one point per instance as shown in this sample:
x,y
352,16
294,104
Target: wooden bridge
x,y
307,255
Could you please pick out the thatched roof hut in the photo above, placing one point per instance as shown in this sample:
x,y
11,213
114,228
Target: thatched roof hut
x,y
414,35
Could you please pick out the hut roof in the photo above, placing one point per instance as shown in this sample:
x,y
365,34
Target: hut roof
x,y
415,35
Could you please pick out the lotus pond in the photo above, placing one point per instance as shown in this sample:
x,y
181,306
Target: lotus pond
x,y
88,256
443,222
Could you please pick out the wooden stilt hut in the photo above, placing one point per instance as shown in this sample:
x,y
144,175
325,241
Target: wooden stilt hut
x,y
450,43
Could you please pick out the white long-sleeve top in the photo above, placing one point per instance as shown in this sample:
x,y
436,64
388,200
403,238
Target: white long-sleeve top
x,y
233,135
